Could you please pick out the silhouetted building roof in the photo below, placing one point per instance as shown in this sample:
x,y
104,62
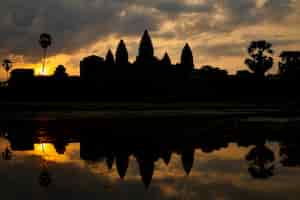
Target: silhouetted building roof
x,y
22,74
211,73
90,67
21,78
290,54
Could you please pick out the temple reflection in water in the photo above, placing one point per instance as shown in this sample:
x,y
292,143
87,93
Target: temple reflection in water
x,y
116,146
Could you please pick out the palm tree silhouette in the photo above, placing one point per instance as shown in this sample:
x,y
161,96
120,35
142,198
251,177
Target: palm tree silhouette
x,y
7,154
7,65
45,41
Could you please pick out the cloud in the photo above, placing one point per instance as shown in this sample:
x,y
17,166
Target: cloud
x,y
224,49
80,24
228,15
73,24
178,7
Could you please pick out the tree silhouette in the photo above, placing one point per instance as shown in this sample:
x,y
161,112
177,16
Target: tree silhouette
x,y
7,154
60,72
243,75
45,41
187,60
45,178
109,59
290,154
260,162
121,54
290,63
7,65
260,60
212,73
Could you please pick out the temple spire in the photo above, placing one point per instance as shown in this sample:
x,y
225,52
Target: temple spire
x,y
109,59
166,60
187,59
121,54
146,51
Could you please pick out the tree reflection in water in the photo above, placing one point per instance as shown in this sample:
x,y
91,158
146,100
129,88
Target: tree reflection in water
x,y
45,178
7,153
261,162
147,151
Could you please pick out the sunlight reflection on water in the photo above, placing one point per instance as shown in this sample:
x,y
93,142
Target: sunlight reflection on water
x,y
221,174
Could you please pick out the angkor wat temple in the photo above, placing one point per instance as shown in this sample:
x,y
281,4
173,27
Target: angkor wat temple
x,y
116,78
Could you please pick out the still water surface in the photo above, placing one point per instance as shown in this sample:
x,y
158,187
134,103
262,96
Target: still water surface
x,y
52,162
220,174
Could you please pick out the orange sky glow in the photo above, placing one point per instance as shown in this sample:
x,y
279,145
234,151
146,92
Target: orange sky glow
x,y
218,33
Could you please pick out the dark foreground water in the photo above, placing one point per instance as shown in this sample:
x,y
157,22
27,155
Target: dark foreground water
x,y
150,158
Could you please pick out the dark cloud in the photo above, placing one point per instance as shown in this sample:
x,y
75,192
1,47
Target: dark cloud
x,y
222,50
181,7
235,49
229,15
73,24
76,24
248,11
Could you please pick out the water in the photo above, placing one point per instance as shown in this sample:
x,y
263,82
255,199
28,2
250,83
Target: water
x,y
150,159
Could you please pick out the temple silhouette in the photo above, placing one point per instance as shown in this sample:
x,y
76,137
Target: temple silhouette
x,y
236,109
114,77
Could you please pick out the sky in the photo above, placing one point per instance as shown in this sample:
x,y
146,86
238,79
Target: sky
x,y
218,31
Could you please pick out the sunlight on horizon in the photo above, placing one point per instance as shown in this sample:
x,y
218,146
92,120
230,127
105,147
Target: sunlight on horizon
x,y
44,72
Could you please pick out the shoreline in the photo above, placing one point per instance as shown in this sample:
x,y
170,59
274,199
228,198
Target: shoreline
x,y
94,110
